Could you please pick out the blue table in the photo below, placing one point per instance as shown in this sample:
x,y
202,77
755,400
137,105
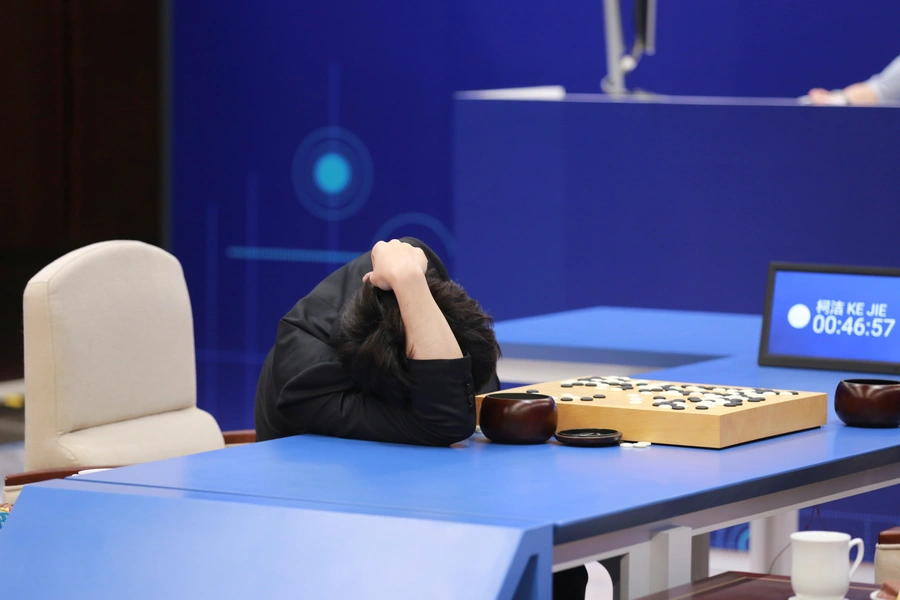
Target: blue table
x,y
630,336
503,507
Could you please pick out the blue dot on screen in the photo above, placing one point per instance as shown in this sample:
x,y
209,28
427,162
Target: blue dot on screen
x,y
332,173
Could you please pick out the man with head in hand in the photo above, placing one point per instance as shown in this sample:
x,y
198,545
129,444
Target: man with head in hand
x,y
386,348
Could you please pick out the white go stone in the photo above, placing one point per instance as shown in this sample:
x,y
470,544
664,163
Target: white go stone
x,y
665,407
641,444
719,390
635,401
626,444
769,393
785,394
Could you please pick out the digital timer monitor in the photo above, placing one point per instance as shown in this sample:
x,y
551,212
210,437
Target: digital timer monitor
x,y
832,317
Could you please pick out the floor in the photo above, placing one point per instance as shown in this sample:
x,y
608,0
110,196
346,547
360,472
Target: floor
x,y
12,459
720,561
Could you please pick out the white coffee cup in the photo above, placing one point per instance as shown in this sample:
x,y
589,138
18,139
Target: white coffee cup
x,y
819,564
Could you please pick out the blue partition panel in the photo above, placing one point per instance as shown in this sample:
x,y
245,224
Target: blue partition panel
x,y
675,204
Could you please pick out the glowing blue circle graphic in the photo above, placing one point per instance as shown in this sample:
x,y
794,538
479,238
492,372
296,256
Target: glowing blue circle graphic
x,y
332,173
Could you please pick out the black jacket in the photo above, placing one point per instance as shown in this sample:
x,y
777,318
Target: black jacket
x,y
303,388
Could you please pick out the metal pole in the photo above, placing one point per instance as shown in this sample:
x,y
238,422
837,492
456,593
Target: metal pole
x,y
614,82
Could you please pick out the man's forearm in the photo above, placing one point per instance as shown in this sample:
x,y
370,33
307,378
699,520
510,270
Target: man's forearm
x,y
428,336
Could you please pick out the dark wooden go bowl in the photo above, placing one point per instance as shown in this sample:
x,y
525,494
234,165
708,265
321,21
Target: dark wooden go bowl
x,y
868,402
516,418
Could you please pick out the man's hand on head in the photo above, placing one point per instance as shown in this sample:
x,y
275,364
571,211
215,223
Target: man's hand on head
x,y
395,263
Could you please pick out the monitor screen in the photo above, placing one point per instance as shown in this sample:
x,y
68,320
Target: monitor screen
x,y
832,318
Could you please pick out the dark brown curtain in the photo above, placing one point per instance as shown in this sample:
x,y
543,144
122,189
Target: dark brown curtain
x,y
81,129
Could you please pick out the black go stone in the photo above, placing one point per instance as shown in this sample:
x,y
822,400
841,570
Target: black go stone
x,y
599,396
533,391
677,408
694,399
659,397
732,404
566,385
702,407
587,399
590,384
566,399
756,399
578,383
584,378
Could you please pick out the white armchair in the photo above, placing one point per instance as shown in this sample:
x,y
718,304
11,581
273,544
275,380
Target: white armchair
x,y
109,364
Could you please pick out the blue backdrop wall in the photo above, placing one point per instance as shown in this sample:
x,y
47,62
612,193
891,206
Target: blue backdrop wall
x,y
304,131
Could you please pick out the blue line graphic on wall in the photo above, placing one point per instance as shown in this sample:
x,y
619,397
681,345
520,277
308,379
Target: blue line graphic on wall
x,y
339,257
332,173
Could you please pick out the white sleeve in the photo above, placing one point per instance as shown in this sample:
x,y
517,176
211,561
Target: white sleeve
x,y
887,83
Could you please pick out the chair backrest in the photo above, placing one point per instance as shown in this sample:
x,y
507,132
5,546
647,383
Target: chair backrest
x,y
109,360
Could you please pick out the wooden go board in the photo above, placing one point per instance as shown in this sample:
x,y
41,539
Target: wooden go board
x,y
681,414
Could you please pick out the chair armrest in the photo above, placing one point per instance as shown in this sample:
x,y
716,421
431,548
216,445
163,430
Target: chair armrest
x,y
241,436
45,474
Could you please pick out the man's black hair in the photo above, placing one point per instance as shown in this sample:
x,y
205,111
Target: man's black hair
x,y
372,339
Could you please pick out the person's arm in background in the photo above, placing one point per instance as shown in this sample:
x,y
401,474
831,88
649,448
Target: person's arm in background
x,y
858,94
882,88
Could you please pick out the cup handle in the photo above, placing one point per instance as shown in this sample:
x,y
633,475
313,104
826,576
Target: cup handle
x,y
859,555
